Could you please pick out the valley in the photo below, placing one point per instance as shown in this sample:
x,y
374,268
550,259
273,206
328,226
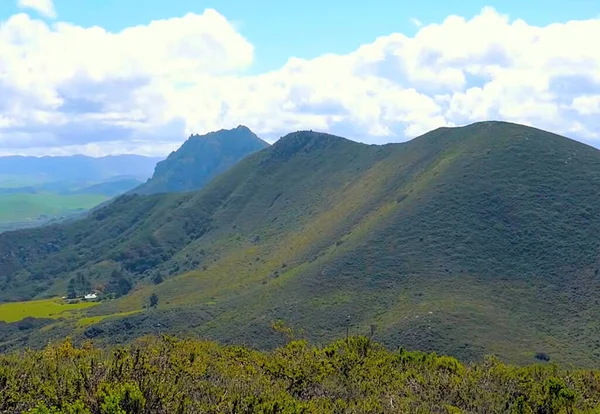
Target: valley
x,y
36,191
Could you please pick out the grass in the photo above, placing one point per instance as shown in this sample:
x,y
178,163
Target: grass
x,y
91,320
47,308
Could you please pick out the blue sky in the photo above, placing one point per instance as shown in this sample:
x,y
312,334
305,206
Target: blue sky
x,y
97,77
309,28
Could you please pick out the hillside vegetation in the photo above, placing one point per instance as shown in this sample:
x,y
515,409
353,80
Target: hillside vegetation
x,y
200,159
465,241
167,375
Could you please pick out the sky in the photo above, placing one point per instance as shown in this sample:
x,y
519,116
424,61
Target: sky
x,y
103,77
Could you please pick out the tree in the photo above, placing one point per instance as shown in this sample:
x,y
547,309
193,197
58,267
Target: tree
x,y
153,300
71,291
83,283
119,284
124,286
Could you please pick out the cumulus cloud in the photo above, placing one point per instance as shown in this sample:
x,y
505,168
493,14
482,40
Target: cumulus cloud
x,y
66,85
43,7
69,88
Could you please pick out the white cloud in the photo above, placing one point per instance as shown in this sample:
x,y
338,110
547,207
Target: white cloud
x,y
68,88
44,7
416,22
587,105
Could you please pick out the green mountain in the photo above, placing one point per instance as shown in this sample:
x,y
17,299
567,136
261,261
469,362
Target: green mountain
x,y
467,241
200,159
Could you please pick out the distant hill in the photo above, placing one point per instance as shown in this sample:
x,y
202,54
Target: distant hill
x,y
109,188
467,241
88,169
200,159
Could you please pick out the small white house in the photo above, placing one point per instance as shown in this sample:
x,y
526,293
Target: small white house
x,y
90,296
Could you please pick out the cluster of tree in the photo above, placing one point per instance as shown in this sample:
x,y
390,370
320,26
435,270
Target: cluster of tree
x,y
119,284
79,285
355,375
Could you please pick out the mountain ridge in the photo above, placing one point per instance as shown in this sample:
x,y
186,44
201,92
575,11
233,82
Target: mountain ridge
x,y
463,241
201,158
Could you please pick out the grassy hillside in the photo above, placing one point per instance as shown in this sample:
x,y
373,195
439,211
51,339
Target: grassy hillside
x,y
166,375
200,159
465,241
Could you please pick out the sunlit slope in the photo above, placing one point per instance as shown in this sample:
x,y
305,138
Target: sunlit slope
x,y
471,240
465,241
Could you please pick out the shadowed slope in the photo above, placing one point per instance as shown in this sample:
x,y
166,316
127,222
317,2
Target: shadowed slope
x,y
465,240
200,159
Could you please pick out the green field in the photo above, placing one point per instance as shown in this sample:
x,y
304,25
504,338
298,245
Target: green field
x,y
26,207
47,308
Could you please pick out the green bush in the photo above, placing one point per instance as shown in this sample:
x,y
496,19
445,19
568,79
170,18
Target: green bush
x,y
168,375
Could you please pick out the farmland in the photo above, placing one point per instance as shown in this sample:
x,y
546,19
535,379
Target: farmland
x,y
46,308
23,207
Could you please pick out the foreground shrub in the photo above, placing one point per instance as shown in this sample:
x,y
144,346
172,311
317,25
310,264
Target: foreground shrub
x,y
167,375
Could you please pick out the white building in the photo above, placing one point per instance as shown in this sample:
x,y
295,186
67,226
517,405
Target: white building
x,y
90,296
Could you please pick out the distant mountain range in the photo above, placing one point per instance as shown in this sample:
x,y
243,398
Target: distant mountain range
x,y
77,167
467,241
